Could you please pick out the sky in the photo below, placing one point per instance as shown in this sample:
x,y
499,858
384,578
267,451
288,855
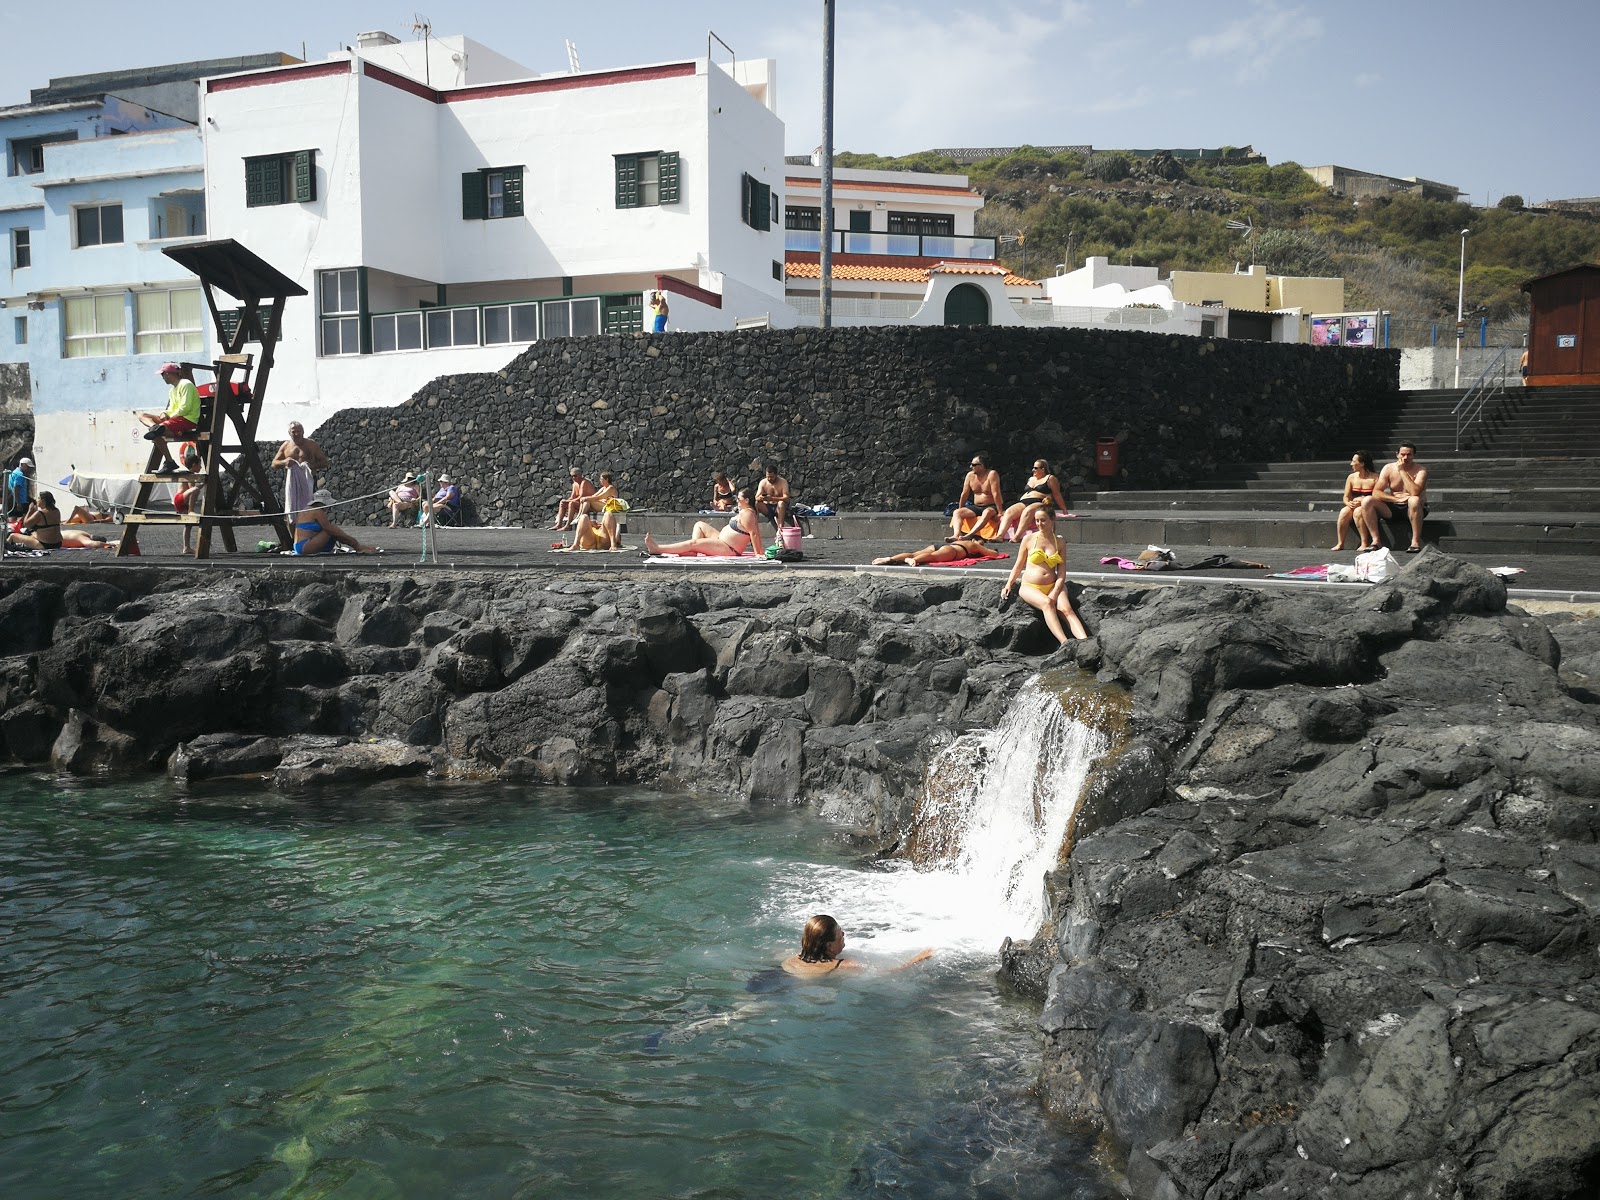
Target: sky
x,y
1493,98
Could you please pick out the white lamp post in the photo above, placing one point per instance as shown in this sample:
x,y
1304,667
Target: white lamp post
x,y
1461,305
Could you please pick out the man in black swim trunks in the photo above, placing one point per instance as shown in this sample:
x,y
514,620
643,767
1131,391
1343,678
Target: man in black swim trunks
x,y
772,497
1402,485
980,503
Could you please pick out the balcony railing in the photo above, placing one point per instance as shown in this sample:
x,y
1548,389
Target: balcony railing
x,y
903,245
505,323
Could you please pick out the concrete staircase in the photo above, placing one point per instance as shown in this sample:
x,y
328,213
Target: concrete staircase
x,y
1529,486
1542,422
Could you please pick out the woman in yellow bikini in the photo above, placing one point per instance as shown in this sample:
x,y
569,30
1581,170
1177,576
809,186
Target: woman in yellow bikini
x,y
1042,565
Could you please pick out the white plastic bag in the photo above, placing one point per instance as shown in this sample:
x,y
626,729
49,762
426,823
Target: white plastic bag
x,y
1342,573
1376,566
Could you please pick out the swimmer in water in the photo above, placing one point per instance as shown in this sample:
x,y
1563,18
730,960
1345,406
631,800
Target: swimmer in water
x,y
822,951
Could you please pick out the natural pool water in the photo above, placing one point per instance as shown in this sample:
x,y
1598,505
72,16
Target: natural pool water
x,y
488,991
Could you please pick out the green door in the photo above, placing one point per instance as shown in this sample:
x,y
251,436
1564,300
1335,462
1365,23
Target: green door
x,y
966,305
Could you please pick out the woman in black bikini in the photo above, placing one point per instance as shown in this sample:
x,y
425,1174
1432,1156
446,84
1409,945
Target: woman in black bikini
x,y
41,526
723,497
1042,488
741,533
822,951
1358,486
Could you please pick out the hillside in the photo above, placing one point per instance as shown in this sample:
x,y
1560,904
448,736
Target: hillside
x,y
1399,253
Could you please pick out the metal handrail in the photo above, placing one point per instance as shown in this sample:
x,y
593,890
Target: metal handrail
x,y
1473,401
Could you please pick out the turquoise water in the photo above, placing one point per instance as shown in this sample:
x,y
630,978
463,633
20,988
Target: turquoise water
x,y
429,991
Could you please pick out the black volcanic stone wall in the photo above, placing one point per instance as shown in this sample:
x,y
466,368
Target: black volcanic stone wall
x,y
867,419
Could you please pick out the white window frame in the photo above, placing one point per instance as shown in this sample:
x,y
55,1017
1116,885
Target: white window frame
x,y
397,327
77,227
525,314
101,340
169,337
447,327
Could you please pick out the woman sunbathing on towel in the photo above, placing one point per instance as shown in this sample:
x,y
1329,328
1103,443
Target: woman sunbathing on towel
x,y
957,551
741,533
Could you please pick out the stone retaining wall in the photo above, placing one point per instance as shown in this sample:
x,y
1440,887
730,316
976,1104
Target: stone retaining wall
x,y
880,418
16,412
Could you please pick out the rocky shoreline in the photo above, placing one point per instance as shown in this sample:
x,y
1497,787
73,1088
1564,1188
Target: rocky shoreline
x,y
1330,919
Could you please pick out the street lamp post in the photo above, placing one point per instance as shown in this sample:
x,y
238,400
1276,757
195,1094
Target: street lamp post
x,y
825,258
1461,305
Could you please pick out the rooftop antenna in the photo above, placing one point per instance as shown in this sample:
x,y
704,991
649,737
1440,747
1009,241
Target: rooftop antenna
x,y
573,66
1245,226
423,28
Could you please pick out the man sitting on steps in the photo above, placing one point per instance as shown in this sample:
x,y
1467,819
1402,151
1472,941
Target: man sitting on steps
x,y
1402,485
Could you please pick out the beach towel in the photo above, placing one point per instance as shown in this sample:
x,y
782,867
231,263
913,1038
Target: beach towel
x,y
1316,571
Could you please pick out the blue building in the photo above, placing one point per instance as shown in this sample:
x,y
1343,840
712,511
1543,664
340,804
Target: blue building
x,y
98,181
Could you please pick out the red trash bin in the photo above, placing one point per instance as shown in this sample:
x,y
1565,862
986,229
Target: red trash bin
x,y
1105,458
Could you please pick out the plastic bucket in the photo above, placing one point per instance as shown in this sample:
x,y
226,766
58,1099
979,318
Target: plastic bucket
x,y
789,537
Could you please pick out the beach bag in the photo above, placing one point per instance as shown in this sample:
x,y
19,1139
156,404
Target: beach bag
x,y
1342,573
1376,566
615,504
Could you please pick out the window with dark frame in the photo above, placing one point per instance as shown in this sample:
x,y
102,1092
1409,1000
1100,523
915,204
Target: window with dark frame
x,y
21,330
758,206
21,248
925,224
99,225
647,180
795,217
491,194
280,179
339,307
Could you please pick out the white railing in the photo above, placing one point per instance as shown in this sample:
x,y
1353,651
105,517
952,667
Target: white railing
x,y
859,308
1064,314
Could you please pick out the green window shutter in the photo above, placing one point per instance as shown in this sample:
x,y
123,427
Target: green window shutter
x,y
272,180
627,181
512,192
305,176
473,200
254,183
761,206
669,176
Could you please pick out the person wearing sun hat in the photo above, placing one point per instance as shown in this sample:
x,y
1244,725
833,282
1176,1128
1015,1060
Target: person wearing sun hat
x,y
315,531
404,500
448,497
181,417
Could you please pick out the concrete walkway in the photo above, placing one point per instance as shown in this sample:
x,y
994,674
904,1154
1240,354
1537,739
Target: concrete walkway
x,y
1566,579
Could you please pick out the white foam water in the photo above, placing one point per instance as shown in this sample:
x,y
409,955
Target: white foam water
x,y
991,823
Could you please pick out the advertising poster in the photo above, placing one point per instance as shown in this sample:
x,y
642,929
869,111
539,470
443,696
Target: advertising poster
x,y
1361,330
1325,331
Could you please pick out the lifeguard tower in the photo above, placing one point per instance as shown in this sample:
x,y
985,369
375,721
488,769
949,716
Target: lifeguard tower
x,y
236,490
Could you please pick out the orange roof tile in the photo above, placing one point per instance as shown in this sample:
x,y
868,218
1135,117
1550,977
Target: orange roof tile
x,y
859,274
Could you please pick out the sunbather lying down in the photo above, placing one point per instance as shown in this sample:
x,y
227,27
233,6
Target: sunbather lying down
x,y
960,550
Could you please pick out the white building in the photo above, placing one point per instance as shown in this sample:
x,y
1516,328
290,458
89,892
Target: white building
x,y
905,251
1101,294
444,207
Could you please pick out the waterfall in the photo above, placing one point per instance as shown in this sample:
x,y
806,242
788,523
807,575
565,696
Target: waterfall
x,y
997,806
994,812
